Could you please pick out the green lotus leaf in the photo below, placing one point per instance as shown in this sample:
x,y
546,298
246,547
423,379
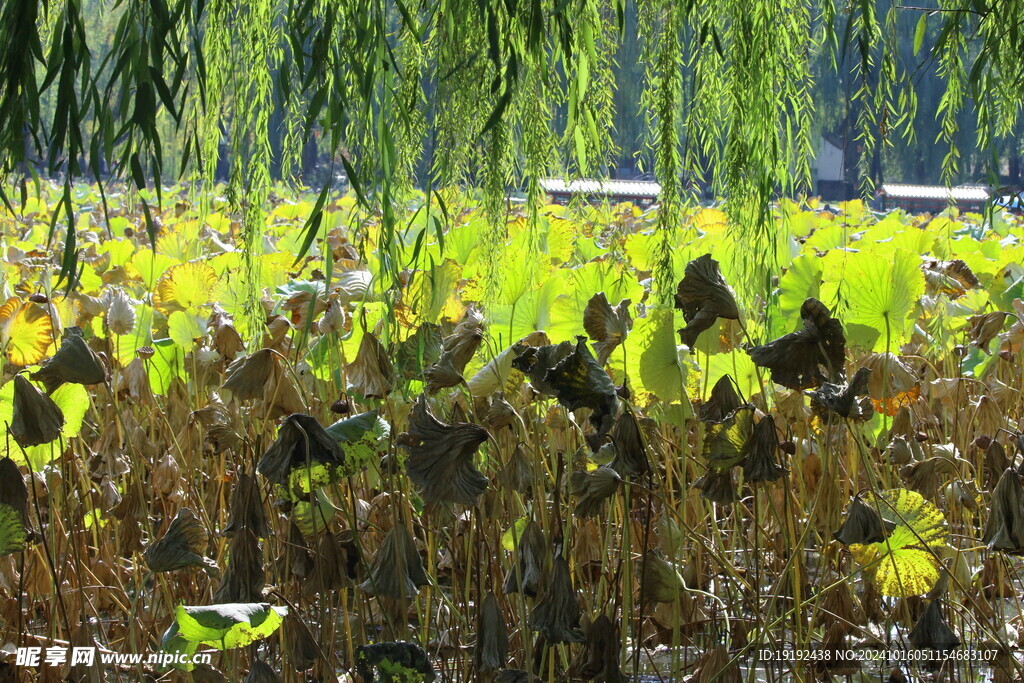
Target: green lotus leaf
x,y
727,443
228,626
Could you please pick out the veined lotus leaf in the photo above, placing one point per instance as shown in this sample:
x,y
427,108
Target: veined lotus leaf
x,y
12,530
418,351
531,552
599,660
722,401
832,400
660,581
536,361
36,419
761,463
579,382
932,632
175,643
905,563
718,486
880,294
26,331
244,578
246,511
75,363
491,652
371,373
362,438
303,457
862,525
228,626
1005,527
607,326
397,569
592,489
182,546
703,296
808,357
382,657
557,613
440,458
313,514
727,443
183,287
630,453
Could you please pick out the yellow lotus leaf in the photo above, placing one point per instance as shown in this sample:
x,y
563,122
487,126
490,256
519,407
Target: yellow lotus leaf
x,y
26,330
183,287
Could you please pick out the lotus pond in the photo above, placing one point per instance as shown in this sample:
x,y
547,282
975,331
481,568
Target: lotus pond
x,y
512,461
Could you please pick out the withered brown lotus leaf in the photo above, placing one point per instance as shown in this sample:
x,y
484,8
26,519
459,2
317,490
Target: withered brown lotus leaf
x,y
442,375
808,357
599,659
1005,527
863,524
182,546
371,373
527,571
659,580
722,401
703,296
457,350
248,377
515,676
592,489
932,632
13,492
607,326
299,642
717,486
397,570
244,578
832,401
996,461
296,559
133,382
226,340
900,451
838,607
761,463
304,446
716,665
579,382
988,419
418,351
923,476
329,571
517,473
261,672
557,614
74,363
630,452
491,652
985,327
500,413
36,418
246,510
440,458
536,361
1012,341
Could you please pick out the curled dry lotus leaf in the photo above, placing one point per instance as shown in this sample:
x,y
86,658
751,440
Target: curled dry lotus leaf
x,y
985,327
440,460
592,489
579,382
371,373
329,570
630,453
605,325
863,524
599,659
397,570
120,317
500,412
262,377
659,580
923,476
457,350
497,374
703,296
406,655
557,614
517,472
13,492
996,461
807,358
717,486
261,672
244,579
761,463
932,632
527,571
74,363
36,418
304,456
832,401
182,546
491,652
246,510
296,560
299,642
716,665
722,401
1005,527
727,443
